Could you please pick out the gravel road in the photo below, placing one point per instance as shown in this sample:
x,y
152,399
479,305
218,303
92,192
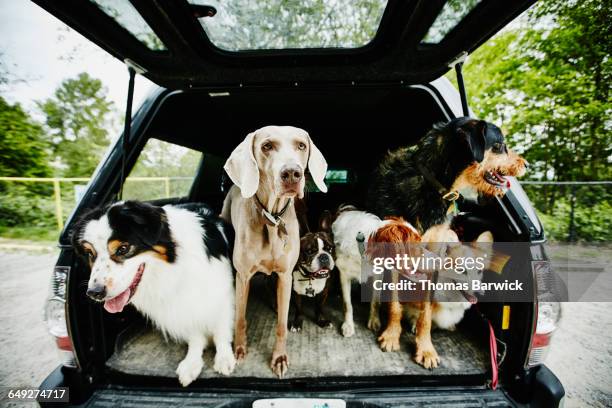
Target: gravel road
x,y
581,354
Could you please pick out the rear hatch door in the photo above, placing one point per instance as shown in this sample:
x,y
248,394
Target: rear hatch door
x,y
185,43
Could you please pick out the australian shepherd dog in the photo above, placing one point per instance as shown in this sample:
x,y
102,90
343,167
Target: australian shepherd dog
x,y
172,263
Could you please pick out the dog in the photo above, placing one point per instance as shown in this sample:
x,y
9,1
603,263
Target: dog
x,y
464,158
312,272
267,170
438,241
173,264
350,223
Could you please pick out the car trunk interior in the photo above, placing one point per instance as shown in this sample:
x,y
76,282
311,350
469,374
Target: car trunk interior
x,y
353,127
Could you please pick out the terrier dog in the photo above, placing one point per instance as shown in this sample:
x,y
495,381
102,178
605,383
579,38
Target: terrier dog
x,y
312,271
464,158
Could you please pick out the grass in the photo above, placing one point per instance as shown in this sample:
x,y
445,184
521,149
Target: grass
x,y
43,235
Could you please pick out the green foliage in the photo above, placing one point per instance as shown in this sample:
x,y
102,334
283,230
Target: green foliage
x,y
547,84
24,152
78,119
591,223
162,159
22,206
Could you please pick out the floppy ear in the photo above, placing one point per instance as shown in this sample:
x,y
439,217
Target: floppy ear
x,y
144,219
242,168
317,165
474,136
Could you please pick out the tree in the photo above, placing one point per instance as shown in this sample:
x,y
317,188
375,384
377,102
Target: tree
x,y
547,83
78,119
24,151
253,24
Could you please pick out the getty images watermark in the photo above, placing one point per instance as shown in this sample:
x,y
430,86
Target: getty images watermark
x,y
482,272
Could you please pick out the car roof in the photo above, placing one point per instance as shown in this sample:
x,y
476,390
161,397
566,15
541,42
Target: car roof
x,y
178,44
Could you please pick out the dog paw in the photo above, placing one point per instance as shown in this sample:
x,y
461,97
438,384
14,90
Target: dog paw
x,y
224,363
348,329
189,370
390,339
374,324
280,364
295,327
427,357
324,324
240,353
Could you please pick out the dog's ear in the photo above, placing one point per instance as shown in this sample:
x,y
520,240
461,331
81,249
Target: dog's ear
x,y
317,165
241,167
79,228
143,219
473,133
325,221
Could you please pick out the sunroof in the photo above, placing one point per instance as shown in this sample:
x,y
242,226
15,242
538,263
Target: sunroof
x,y
242,25
128,17
452,13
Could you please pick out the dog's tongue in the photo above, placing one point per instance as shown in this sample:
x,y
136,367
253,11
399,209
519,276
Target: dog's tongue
x,y
116,304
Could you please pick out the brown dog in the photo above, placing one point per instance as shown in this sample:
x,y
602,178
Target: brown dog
x,y
268,171
438,240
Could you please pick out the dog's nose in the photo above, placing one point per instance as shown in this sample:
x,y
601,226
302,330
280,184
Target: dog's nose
x,y
324,259
97,292
291,174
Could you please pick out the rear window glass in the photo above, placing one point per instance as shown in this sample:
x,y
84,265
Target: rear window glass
x,y
279,24
452,13
163,170
128,17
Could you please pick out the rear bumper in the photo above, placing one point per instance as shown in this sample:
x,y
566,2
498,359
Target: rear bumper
x,y
547,392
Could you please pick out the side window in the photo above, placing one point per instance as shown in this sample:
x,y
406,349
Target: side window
x,y
163,170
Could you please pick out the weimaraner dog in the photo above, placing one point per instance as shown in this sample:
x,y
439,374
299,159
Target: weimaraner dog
x,y
267,169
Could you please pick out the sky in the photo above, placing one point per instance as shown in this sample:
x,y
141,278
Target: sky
x,y
36,48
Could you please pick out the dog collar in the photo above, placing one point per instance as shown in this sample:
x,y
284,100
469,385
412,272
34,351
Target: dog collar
x,y
274,219
447,195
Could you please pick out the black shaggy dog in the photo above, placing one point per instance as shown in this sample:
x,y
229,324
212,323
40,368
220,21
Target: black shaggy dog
x,y
464,158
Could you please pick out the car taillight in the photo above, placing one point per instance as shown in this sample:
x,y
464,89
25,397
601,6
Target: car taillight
x,y
548,313
55,316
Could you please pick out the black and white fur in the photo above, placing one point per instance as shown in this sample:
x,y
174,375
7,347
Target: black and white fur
x,y
173,264
312,272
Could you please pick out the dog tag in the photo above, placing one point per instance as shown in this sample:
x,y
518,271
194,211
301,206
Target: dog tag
x,y
270,218
310,292
281,227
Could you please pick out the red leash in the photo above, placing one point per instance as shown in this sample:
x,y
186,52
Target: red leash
x,y
493,351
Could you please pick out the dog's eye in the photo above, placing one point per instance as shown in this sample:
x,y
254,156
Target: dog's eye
x,y
302,146
122,250
498,147
266,147
90,255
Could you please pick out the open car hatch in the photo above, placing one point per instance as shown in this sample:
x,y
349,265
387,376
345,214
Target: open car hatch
x,y
186,43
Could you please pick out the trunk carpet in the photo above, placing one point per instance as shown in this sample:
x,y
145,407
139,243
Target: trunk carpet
x,y
313,352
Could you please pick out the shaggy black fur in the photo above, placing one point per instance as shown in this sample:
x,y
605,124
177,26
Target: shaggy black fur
x,y
399,189
144,226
